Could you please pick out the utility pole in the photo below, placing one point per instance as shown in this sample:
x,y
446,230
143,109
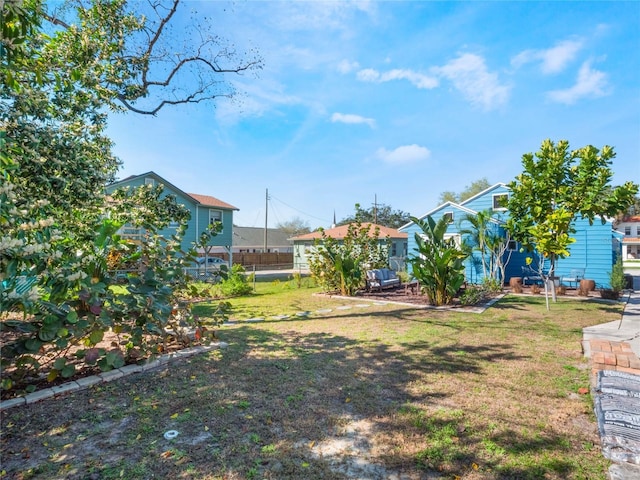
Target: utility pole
x,y
266,213
375,208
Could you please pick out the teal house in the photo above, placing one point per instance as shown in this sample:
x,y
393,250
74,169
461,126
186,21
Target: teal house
x,y
593,253
204,210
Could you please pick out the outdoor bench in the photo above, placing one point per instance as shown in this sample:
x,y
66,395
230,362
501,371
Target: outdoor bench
x,y
380,278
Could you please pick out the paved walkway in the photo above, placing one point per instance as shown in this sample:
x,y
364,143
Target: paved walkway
x,y
614,351
616,345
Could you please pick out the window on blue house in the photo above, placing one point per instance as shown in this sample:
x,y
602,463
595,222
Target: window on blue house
x,y
500,201
512,245
456,238
448,216
149,181
215,216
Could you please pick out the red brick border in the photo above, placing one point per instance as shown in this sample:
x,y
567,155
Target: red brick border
x,y
611,355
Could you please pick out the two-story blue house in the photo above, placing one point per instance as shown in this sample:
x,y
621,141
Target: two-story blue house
x,y
592,254
204,210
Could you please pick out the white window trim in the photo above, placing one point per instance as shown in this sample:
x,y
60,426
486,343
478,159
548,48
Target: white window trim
x,y
220,212
457,238
493,202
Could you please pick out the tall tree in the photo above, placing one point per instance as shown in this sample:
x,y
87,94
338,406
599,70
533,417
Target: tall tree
x,y
478,236
295,226
557,186
468,192
57,87
379,214
59,77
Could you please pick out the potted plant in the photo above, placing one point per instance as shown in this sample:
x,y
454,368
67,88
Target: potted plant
x,y
616,280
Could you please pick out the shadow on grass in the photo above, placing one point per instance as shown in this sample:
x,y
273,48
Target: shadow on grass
x,y
272,405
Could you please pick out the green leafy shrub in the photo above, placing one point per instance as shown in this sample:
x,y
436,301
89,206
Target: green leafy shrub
x,y
339,265
473,295
236,284
492,285
616,277
438,264
76,302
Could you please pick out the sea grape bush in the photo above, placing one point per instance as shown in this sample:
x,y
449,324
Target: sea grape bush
x,y
59,241
340,265
72,305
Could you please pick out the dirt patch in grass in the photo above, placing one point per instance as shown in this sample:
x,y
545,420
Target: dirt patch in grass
x,y
380,392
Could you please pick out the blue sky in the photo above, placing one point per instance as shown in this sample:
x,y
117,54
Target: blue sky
x,y
398,101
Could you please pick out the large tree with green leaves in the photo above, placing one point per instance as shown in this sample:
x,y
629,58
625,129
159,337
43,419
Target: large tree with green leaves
x,y
62,70
380,214
294,226
468,192
557,186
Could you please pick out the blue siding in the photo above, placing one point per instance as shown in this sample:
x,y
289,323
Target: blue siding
x,y
592,251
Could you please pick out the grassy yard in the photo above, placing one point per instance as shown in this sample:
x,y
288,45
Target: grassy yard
x,y
376,391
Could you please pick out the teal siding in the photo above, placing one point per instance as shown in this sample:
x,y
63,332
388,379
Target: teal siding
x,y
225,237
199,214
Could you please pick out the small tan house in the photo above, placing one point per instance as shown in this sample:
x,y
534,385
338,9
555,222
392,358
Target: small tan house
x,y
304,245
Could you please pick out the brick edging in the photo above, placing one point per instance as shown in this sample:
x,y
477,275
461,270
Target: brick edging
x,y
612,355
104,377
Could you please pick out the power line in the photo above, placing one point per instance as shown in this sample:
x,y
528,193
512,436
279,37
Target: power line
x,y
297,210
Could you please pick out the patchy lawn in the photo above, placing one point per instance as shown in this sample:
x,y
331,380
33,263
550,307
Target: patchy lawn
x,y
370,392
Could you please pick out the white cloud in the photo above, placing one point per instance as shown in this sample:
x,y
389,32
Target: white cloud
x,y
554,59
417,79
404,154
254,100
368,75
299,16
470,76
352,119
345,66
590,83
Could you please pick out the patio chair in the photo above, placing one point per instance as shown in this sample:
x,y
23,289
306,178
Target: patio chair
x,y
530,275
574,277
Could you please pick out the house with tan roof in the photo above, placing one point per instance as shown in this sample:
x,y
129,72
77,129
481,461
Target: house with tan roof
x,y
305,245
628,229
204,210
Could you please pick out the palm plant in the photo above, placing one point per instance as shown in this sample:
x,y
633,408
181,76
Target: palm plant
x,y
438,265
478,236
482,235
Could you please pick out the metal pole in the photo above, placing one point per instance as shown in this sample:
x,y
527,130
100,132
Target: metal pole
x,y
266,212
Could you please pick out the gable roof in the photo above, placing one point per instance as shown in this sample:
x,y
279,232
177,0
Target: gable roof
x,y
452,205
209,201
485,191
460,206
340,232
203,200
